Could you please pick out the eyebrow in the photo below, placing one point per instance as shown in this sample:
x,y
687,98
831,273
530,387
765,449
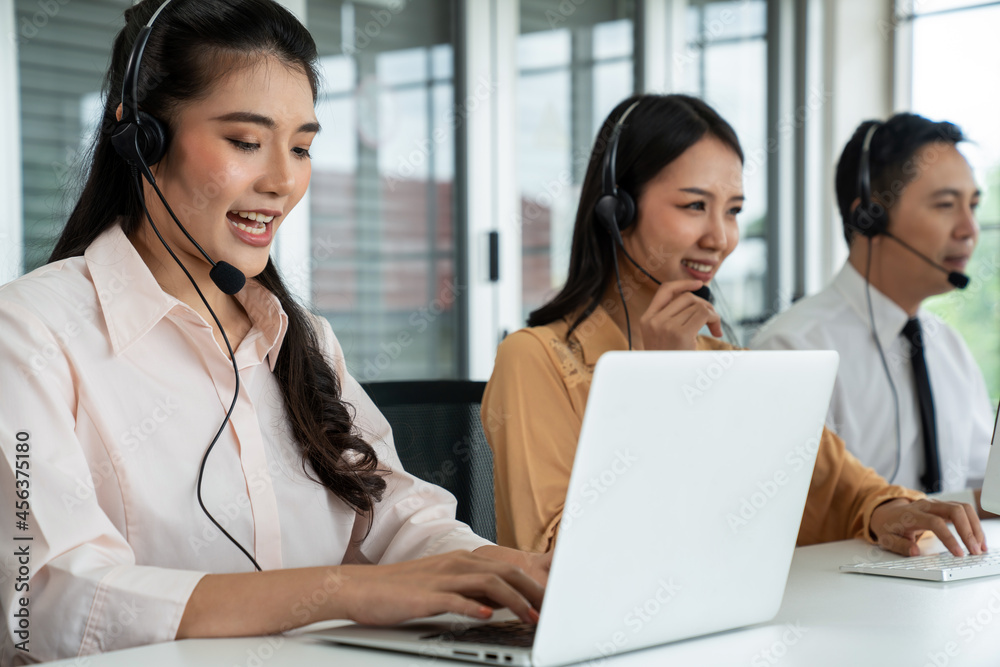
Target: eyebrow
x,y
265,121
953,192
709,195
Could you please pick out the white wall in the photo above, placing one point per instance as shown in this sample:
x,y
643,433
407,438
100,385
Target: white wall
x,y
11,223
858,63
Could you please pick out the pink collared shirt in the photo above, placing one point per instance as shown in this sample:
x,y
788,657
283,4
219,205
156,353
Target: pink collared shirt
x,y
118,388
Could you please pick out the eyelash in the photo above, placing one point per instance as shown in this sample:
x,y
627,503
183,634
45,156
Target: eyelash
x,y
249,147
700,206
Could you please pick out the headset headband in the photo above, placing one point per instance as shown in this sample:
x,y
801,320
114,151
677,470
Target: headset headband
x,y
130,82
864,167
611,155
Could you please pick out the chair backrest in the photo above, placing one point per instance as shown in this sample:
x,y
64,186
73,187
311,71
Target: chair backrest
x,y
439,438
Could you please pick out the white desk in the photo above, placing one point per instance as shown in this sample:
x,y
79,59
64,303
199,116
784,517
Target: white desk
x,y
826,618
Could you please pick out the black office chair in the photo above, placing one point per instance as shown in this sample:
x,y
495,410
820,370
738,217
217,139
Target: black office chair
x,y
439,438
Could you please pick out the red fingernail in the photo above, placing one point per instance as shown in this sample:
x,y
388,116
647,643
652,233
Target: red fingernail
x,y
485,612
533,615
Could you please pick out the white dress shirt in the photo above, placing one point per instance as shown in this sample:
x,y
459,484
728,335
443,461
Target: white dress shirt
x,y
121,388
862,410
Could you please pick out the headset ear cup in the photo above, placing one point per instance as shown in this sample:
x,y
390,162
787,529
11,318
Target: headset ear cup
x,y
870,220
123,138
606,212
153,138
626,210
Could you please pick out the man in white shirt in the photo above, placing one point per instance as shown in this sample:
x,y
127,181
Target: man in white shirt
x,y
911,229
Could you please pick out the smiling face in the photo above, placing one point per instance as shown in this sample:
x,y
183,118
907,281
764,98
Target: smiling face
x,y
935,214
686,221
237,163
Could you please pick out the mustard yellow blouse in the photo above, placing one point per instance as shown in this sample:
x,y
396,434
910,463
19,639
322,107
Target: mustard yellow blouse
x,y
532,412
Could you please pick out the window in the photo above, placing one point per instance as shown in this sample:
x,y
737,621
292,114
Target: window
x,y
383,249
62,57
953,50
726,65
573,69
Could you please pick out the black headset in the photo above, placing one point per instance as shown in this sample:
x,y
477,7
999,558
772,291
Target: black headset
x,y
141,140
615,209
869,218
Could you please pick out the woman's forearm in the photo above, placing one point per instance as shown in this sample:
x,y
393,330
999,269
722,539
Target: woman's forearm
x,y
261,603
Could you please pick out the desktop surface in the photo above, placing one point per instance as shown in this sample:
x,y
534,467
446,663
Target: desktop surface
x,y
827,617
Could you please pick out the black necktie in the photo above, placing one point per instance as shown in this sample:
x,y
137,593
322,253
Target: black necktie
x,y
931,478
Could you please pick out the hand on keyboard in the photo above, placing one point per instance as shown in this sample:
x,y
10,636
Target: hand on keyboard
x,y
899,523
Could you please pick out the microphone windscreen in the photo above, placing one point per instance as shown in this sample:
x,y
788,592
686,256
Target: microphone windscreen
x,y
959,280
227,278
704,293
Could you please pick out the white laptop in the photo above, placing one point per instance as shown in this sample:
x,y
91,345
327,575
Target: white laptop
x,y
682,512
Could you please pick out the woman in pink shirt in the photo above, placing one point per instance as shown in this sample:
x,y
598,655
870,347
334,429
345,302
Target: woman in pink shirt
x,y
116,376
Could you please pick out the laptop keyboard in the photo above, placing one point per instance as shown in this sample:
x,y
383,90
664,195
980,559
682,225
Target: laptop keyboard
x,y
939,567
507,633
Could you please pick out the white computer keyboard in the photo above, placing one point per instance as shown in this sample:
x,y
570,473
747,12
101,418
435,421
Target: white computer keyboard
x,y
939,567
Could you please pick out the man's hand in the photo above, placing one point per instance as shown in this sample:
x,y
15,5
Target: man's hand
x,y
898,524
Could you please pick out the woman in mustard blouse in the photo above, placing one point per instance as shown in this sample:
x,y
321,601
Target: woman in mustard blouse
x,y
677,177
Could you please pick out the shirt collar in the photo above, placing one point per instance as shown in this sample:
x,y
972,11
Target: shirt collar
x,y
889,317
132,302
597,334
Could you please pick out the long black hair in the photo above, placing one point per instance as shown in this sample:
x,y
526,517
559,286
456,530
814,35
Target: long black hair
x,y
655,134
193,43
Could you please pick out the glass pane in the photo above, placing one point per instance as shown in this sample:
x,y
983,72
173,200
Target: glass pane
x,y
740,96
909,7
954,60
382,206
60,64
409,66
544,174
708,20
613,40
975,311
720,34
339,74
588,70
543,49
